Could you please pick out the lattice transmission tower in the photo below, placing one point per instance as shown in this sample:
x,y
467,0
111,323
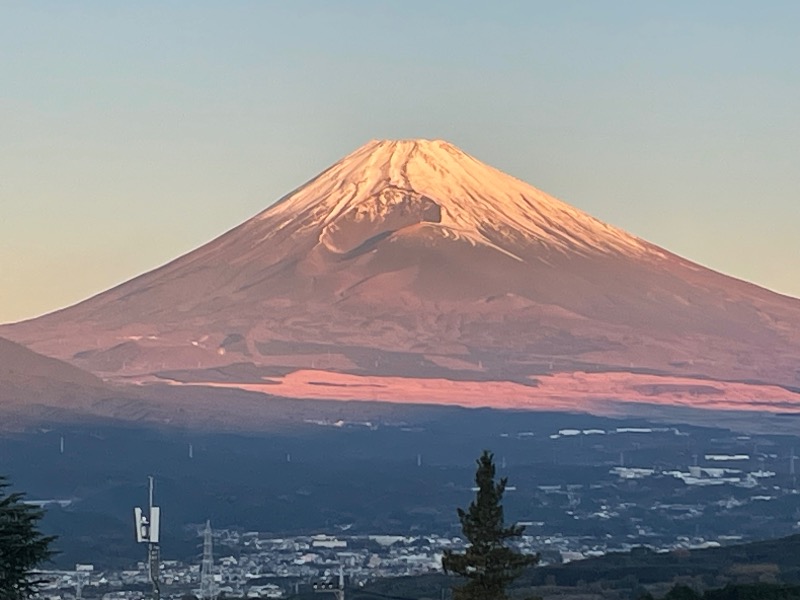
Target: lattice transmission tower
x,y
208,587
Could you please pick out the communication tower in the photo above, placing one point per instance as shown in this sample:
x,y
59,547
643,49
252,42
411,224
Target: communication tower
x,y
148,532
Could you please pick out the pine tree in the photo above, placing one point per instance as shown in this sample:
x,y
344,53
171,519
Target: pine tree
x,y
22,546
488,564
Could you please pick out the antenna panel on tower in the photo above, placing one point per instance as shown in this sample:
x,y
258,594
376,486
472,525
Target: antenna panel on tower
x,y
155,524
141,526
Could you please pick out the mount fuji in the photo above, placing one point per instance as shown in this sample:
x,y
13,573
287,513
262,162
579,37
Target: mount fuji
x,y
409,271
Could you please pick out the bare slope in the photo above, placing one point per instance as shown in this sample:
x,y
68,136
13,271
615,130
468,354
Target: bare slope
x,y
412,259
32,384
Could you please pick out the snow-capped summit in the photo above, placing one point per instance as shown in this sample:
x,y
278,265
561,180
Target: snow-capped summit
x,y
388,186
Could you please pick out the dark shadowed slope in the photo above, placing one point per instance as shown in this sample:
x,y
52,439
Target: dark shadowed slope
x,y
33,384
23,368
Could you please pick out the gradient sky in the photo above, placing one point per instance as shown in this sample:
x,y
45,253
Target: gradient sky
x,y
131,133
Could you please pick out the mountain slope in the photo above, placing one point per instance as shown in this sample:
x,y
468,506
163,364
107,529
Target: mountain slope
x,y
32,384
411,259
23,368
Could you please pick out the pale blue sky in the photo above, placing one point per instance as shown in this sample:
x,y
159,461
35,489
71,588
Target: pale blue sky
x,y
131,133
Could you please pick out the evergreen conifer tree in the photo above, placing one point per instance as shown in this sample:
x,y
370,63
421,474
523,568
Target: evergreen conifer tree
x,y
22,546
488,564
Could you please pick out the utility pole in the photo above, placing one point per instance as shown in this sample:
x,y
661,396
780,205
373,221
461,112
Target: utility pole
x,y
82,575
147,532
208,588
79,583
